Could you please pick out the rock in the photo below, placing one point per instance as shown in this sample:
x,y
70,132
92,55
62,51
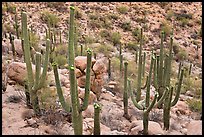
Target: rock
x,y
89,112
174,132
107,96
153,128
81,81
194,127
18,47
63,71
78,73
181,108
17,71
105,8
189,93
99,67
81,61
5,48
92,96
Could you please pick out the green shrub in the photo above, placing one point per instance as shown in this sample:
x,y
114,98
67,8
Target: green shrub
x,y
166,28
183,22
115,38
170,14
195,105
182,55
106,22
136,33
112,16
34,41
126,26
132,46
176,48
47,16
105,33
3,9
90,39
61,50
123,9
105,49
95,24
93,16
162,4
11,8
61,60
78,13
60,6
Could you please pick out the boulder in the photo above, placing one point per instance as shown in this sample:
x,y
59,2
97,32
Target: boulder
x,y
18,47
194,127
78,73
153,128
81,61
92,96
17,71
81,81
100,67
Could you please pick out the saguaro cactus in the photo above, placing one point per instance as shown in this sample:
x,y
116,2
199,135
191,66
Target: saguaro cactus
x,y
76,108
97,129
16,26
34,85
11,37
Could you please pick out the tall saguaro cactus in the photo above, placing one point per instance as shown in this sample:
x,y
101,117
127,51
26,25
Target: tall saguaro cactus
x,y
76,108
38,83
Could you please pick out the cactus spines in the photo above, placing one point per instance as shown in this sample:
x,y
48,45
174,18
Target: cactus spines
x,y
97,108
64,104
125,93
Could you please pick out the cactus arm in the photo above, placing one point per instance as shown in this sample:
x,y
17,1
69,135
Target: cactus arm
x,y
149,81
132,97
33,93
136,56
64,104
45,64
109,68
160,101
97,109
152,103
155,73
125,95
160,77
190,67
179,71
60,37
166,109
76,40
139,69
147,77
143,65
178,89
88,77
27,51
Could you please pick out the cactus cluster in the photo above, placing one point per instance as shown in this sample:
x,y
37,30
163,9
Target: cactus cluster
x,y
34,84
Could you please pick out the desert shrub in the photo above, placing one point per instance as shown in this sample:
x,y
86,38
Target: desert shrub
x,y
34,41
47,98
126,26
106,22
182,15
11,8
106,49
115,38
136,32
123,9
132,46
162,4
93,16
112,16
141,20
176,48
169,14
166,28
104,33
182,55
57,5
95,24
47,16
3,9
78,13
61,60
8,28
90,39
183,22
61,50
195,105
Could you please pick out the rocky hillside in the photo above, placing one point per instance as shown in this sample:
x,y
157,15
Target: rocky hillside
x,y
103,27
